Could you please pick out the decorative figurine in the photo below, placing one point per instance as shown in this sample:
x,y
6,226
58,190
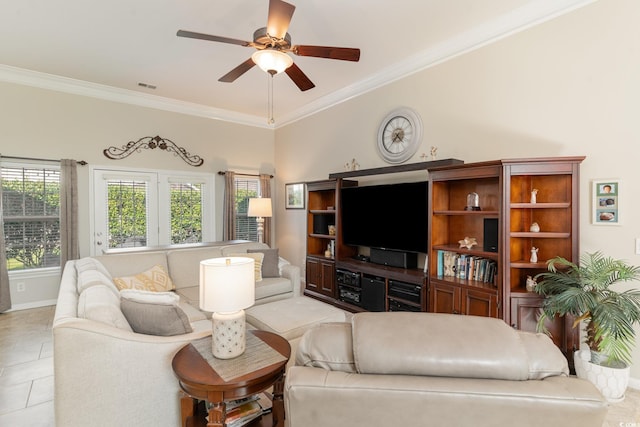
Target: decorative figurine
x,y
468,242
531,284
327,253
534,227
434,152
473,202
534,194
352,166
534,254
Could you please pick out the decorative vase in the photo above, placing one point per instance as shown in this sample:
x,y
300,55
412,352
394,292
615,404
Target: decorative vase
x,y
612,382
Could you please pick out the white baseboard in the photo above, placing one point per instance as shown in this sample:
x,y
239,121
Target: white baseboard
x,y
634,383
29,305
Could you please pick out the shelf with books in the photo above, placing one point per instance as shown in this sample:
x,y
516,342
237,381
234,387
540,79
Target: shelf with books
x,y
466,267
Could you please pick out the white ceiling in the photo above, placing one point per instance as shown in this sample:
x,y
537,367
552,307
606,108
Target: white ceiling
x,y
105,48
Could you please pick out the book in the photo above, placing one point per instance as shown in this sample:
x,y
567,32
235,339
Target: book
x,y
242,414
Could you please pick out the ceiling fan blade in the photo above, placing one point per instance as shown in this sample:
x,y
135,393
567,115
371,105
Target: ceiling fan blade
x,y
342,53
200,36
238,71
280,14
299,78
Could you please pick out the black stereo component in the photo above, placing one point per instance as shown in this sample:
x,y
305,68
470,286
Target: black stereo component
x,y
400,306
394,258
490,235
346,277
406,291
350,295
373,290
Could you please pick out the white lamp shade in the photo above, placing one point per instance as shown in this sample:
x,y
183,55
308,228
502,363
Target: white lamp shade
x,y
272,61
260,207
227,284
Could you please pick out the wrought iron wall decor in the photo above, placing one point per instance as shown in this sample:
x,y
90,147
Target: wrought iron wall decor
x,y
151,143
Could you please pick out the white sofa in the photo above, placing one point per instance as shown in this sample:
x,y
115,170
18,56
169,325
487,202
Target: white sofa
x,y
107,375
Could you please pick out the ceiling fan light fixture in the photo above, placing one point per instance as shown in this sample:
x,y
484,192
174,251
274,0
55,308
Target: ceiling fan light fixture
x,y
272,61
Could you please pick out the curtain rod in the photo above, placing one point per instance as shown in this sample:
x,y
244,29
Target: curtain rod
x,y
245,174
80,162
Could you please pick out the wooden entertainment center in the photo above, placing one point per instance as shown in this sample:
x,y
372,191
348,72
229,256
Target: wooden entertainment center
x,y
513,194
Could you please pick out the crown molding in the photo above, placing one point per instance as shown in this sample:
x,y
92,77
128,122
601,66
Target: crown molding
x,y
518,20
513,22
40,80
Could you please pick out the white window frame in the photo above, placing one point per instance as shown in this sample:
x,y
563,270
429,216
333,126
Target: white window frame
x,y
32,272
160,211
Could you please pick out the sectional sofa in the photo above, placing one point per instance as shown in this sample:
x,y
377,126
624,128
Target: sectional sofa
x,y
106,374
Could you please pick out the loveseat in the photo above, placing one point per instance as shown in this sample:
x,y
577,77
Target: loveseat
x,y
425,369
105,374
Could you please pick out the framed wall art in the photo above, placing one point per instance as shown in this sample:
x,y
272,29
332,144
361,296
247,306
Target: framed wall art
x,y
294,195
605,205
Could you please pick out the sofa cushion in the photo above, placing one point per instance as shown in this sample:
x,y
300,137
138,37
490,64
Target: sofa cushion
x,y
269,263
88,263
242,247
154,313
128,264
88,278
543,356
292,317
272,286
99,303
155,279
327,346
184,264
438,345
257,265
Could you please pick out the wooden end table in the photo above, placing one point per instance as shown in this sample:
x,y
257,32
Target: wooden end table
x,y
199,381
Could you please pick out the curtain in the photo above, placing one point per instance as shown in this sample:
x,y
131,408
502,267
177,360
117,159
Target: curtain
x,y
5,292
69,245
229,216
265,192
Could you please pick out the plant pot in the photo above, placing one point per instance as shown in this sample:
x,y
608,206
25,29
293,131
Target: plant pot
x,y
611,382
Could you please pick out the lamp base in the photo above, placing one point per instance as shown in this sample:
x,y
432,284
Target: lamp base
x,y
228,337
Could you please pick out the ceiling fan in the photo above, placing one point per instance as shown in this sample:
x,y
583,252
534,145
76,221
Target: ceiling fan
x,y
272,42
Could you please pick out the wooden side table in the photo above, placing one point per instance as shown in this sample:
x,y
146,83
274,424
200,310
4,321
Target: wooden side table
x,y
199,381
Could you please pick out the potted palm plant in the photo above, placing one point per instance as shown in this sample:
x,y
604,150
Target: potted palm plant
x,y
585,292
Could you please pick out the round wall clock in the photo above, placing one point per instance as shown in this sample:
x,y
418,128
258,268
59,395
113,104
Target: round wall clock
x,y
399,135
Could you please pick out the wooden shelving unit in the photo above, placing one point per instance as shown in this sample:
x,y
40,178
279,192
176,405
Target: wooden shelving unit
x,y
504,188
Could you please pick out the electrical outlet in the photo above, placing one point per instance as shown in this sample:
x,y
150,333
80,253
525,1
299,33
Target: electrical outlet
x,y
637,245
20,287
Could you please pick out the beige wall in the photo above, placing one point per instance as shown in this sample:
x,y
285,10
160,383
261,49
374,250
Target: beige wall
x,y
567,87
46,124
570,86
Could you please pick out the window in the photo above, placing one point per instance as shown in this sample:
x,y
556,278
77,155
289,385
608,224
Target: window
x,y
186,211
144,208
31,214
246,188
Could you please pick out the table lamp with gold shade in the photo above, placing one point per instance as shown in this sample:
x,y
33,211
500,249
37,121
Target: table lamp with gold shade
x,y
227,287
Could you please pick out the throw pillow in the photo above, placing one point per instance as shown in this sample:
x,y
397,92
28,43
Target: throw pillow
x,y
270,261
155,279
154,313
258,258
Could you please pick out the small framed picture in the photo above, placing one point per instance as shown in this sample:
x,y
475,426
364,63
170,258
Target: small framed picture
x,y
606,202
294,195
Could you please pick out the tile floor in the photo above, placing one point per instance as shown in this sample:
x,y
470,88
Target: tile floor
x,y
26,374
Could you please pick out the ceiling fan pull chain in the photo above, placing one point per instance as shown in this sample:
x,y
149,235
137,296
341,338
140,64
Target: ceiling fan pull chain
x,y
270,99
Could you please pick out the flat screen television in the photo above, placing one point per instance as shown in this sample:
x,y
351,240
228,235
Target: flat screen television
x,y
390,216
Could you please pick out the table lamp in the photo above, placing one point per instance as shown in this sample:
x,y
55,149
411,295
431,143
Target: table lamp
x,y
227,287
261,209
